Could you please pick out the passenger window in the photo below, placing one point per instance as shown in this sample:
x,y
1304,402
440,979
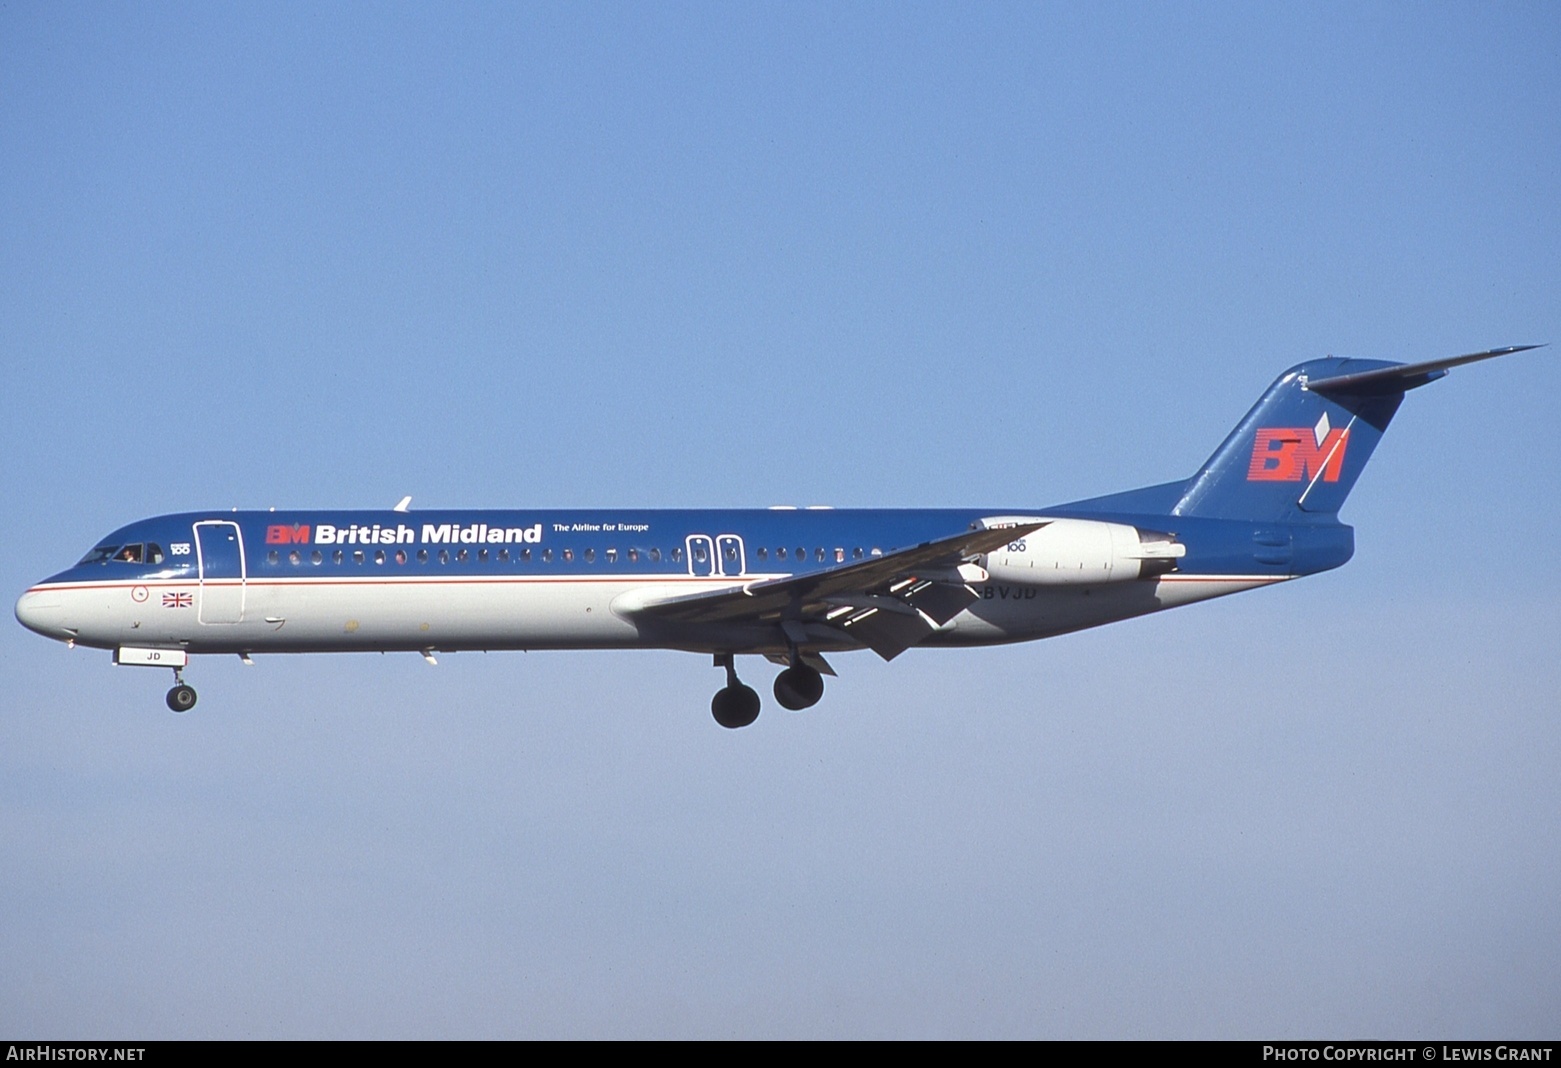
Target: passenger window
x,y
780,554
612,556
802,554
762,552
317,558
731,552
677,555
401,556
379,556
503,556
525,554
634,556
655,556
272,557
840,556
569,554
422,556
357,556
856,553
336,557
699,553
482,556
295,557
547,556
444,556
462,556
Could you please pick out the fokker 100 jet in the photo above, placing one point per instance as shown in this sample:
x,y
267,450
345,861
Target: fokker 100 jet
x,y
791,585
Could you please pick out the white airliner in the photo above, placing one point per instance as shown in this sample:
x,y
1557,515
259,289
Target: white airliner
x,y
784,583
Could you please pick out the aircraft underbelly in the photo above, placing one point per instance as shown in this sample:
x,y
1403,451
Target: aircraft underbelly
x,y
1014,613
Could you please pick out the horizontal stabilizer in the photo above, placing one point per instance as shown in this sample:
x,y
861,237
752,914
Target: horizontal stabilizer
x,y
1405,376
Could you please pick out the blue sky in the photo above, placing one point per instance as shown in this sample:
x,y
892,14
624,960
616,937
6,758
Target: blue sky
x,y
701,255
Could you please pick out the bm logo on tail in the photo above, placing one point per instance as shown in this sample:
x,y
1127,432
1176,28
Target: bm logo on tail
x,y
1290,454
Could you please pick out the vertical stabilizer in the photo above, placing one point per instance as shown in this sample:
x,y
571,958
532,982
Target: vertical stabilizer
x,y
1302,446
1299,450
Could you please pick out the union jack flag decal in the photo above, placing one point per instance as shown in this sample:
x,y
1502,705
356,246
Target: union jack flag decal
x,y
178,600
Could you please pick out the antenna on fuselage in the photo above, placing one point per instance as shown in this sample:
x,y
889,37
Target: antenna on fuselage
x,y
405,505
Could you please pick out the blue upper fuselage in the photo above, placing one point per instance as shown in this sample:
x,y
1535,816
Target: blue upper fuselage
x,y
658,542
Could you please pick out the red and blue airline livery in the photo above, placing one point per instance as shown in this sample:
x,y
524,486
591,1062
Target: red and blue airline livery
x,y
788,584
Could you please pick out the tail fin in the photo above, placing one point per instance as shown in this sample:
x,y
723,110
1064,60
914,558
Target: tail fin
x,y
1300,449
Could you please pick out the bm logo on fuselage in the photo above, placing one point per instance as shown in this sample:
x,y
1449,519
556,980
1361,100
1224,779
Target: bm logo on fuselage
x,y
1290,454
280,535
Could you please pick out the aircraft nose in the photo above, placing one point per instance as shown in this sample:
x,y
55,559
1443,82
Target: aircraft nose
x,y
43,611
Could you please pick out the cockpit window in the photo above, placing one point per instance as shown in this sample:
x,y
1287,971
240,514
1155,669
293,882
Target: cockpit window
x,y
130,554
101,555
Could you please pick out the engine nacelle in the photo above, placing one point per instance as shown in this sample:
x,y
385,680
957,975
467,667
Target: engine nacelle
x,y
1076,552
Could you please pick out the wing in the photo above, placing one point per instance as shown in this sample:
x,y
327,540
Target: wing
x,y
887,603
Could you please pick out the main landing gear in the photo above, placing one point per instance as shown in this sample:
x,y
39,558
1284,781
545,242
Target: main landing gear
x,y
798,687
182,697
735,705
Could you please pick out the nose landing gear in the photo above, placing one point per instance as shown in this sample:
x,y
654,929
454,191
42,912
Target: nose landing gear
x,y
734,705
182,697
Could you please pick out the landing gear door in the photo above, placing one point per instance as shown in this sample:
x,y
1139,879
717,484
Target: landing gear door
x,y
701,555
219,549
730,551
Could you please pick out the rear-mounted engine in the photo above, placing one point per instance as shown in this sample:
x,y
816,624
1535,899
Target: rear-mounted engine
x,y
1076,552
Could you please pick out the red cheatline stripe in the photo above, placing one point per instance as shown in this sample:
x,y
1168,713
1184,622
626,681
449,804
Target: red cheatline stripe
x,y
408,580
431,580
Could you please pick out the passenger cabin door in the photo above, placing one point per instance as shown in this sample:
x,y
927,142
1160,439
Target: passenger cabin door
x,y
219,554
701,555
730,549
715,557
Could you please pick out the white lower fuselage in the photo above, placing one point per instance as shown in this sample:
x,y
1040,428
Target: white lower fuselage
x,y
329,614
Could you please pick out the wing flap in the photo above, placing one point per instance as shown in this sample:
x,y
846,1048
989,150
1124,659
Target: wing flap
x,y
941,601
889,633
